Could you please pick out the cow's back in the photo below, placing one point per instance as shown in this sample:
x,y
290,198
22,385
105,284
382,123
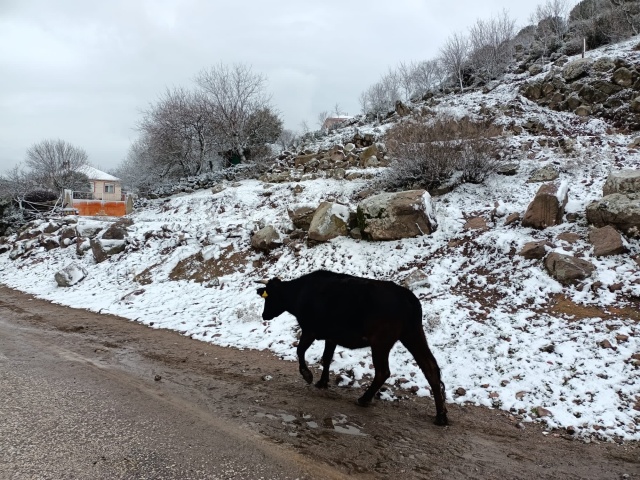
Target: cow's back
x,y
336,302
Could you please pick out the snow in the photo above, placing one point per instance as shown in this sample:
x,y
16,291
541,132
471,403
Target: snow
x,y
488,313
95,174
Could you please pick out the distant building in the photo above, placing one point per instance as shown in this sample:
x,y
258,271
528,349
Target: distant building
x,y
104,196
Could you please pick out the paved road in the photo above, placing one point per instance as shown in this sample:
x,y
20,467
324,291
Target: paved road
x,y
64,415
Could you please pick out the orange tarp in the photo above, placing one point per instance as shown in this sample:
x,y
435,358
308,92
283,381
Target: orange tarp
x,y
93,208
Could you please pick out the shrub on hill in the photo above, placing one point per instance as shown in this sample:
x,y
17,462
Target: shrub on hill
x,y
428,154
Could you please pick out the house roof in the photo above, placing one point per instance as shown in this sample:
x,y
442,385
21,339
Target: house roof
x,y
95,174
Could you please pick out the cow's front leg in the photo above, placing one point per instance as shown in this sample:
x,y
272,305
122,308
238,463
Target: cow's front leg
x,y
305,342
327,356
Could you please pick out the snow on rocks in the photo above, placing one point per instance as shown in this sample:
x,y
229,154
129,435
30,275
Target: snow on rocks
x,y
70,275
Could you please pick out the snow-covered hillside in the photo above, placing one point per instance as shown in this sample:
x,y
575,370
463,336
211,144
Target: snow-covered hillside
x,y
505,334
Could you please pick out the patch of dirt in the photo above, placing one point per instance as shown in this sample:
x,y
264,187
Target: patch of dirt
x,y
560,305
198,269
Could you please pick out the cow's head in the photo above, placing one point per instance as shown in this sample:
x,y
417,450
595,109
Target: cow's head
x,y
274,298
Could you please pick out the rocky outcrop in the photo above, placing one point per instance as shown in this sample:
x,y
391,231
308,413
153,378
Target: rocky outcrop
x,y
622,181
70,275
618,210
392,216
547,208
301,216
330,220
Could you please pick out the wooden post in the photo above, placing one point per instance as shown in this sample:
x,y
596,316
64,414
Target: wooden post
x,y
584,46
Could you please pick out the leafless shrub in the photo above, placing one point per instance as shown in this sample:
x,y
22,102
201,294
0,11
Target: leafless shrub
x,y
428,154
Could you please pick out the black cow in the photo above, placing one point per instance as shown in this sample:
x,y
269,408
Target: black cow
x,y
355,312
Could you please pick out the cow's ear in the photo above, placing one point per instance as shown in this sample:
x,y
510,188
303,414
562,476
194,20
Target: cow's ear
x,y
262,292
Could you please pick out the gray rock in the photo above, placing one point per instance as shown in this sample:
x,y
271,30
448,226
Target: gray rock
x,y
301,216
618,210
266,239
70,275
622,181
103,249
330,220
392,216
567,269
577,69
548,173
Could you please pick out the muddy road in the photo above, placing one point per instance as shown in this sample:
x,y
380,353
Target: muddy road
x,y
84,395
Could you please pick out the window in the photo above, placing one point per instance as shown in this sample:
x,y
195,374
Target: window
x,y
109,188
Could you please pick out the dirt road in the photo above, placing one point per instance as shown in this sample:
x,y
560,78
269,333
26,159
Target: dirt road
x,y
84,395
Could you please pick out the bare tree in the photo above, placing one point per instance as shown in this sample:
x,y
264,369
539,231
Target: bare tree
x,y
287,139
322,117
337,111
454,55
406,78
179,132
491,44
427,75
627,13
236,93
57,164
16,184
550,19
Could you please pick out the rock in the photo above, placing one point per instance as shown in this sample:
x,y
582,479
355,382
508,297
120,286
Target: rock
x,y
543,412
89,229
583,111
605,344
568,237
103,249
547,208
66,235
349,147
266,239
512,218
301,216
507,169
116,231
460,392
416,278
623,77
547,173
618,210
606,241
50,242
401,109
576,69
370,151
393,216
567,269
330,220
218,188
70,275
534,250
622,181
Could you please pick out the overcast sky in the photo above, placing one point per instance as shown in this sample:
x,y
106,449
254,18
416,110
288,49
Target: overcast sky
x,y
82,70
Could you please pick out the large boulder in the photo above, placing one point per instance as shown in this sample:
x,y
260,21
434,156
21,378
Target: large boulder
x,y
547,207
70,275
103,249
116,231
266,239
577,69
622,181
330,220
393,216
567,269
606,241
618,210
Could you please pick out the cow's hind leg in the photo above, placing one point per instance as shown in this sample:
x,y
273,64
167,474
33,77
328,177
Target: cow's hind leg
x,y
380,357
416,342
327,356
303,346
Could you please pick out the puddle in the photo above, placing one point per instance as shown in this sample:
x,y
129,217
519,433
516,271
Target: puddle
x,y
340,424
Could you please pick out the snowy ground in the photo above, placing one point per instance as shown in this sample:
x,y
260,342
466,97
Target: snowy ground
x,y
487,311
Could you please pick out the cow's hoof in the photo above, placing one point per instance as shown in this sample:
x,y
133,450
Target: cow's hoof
x,y
307,375
322,384
363,402
441,419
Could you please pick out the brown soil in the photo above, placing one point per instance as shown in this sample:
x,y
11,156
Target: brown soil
x,y
259,392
